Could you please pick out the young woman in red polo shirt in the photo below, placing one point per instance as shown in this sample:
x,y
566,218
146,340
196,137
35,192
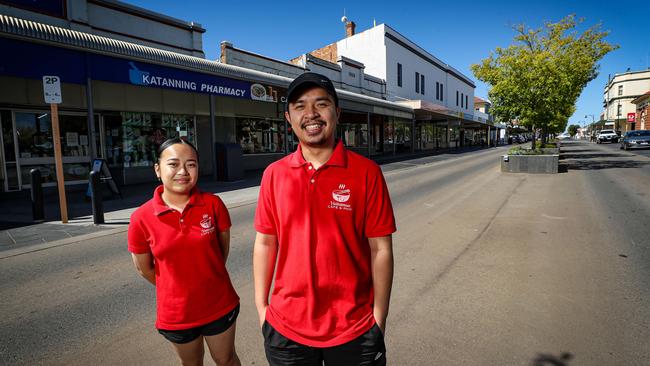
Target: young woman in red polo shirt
x,y
179,241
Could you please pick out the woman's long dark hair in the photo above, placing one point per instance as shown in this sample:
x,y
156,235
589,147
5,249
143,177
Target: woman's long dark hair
x,y
174,141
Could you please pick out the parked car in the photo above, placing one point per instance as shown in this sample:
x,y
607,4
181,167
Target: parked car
x,y
607,136
636,139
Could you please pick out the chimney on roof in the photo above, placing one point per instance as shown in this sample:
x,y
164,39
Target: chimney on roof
x,y
349,28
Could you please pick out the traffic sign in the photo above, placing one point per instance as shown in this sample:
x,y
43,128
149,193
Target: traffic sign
x,y
631,117
52,89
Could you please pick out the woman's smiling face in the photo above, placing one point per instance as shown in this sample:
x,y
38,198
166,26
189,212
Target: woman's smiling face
x,y
178,168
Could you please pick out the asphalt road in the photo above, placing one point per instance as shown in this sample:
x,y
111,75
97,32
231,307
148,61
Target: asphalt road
x,y
617,146
491,269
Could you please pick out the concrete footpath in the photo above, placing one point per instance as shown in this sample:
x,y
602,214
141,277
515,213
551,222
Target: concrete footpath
x,y
19,234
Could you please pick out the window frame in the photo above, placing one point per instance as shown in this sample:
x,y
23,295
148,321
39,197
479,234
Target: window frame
x,y
422,84
399,74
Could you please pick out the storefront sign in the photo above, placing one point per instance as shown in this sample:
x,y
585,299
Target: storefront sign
x,y
76,66
163,77
631,117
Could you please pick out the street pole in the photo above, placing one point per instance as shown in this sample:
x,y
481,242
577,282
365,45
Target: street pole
x,y
58,162
52,94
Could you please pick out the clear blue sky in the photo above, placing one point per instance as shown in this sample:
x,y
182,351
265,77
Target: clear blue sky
x,y
459,33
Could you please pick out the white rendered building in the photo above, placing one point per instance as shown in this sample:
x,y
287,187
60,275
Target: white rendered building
x,y
440,95
619,93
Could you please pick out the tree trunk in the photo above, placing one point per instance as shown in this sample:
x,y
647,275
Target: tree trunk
x,y
533,138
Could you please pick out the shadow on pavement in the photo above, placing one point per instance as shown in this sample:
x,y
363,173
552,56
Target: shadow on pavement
x,y
546,359
592,156
570,148
602,164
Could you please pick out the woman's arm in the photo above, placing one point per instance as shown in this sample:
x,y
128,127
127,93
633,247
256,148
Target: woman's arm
x,y
145,266
224,243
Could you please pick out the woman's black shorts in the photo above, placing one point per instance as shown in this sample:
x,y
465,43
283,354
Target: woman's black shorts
x,y
216,327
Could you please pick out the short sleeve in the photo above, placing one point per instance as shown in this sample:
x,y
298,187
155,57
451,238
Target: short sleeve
x,y
222,215
265,214
137,238
380,220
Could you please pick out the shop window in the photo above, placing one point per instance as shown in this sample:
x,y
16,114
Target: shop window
x,y
143,133
353,134
35,135
260,135
36,146
424,136
389,134
402,136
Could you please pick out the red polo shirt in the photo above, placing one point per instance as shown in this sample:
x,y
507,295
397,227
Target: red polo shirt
x,y
192,285
323,294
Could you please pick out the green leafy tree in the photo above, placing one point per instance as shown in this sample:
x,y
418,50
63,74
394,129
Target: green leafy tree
x,y
573,130
538,79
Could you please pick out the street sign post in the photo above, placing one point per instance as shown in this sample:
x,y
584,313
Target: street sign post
x,y
52,93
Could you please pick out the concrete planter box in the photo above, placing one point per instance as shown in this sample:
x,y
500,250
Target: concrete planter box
x,y
542,164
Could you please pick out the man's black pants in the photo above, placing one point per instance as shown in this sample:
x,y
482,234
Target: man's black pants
x,y
366,350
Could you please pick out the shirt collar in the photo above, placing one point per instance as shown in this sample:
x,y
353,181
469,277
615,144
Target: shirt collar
x,y
339,156
160,207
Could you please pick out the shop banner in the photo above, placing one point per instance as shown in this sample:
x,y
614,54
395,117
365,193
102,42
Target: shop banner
x,y
33,61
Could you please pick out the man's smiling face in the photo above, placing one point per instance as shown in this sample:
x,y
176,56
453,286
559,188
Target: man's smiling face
x,y
313,117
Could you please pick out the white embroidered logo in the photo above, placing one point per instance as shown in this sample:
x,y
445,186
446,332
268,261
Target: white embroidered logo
x,y
340,197
341,194
206,224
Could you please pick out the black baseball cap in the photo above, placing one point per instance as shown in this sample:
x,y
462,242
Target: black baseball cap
x,y
310,79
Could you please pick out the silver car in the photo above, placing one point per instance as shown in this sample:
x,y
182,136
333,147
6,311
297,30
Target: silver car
x,y
636,139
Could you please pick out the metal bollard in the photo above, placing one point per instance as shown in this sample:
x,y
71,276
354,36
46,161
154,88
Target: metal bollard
x,y
96,197
38,209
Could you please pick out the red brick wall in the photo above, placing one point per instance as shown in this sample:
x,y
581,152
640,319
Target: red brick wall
x,y
327,53
643,118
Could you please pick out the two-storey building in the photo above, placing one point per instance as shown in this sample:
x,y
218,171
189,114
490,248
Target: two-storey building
x,y
619,111
442,97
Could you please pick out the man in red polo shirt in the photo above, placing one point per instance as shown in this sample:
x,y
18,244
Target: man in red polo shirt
x,y
324,226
